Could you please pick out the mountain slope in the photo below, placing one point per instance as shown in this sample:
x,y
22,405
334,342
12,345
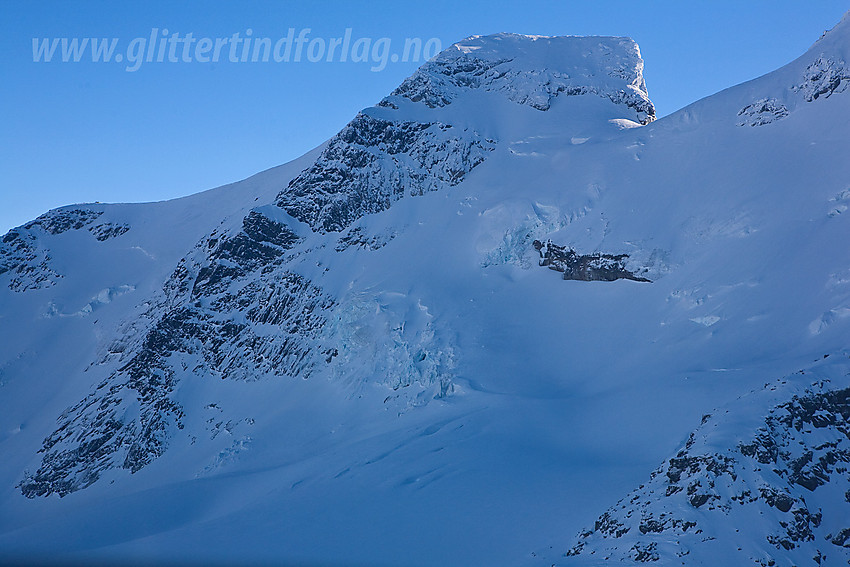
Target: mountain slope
x,y
370,355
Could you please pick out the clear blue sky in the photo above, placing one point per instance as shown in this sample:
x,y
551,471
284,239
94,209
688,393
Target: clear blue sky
x,y
78,132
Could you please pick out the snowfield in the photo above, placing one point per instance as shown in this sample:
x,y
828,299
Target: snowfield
x,y
504,317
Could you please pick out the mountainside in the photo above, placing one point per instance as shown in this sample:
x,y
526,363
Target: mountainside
x,y
504,317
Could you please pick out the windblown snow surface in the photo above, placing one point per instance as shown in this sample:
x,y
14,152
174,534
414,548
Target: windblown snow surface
x,y
504,317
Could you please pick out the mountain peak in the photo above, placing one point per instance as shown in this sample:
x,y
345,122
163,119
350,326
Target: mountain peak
x,y
450,297
533,70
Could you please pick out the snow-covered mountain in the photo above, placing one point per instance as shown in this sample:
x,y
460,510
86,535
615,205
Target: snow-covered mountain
x,y
504,317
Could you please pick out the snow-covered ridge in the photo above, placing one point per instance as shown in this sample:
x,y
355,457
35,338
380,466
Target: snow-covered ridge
x,y
819,74
533,71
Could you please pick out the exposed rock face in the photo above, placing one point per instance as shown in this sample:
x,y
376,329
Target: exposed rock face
x,y
822,78
27,264
784,486
63,220
761,112
25,258
533,71
212,321
106,231
373,162
355,237
585,267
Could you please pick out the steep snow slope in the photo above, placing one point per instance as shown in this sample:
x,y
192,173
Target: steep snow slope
x,y
358,358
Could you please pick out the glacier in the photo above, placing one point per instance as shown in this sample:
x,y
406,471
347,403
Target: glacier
x,y
505,317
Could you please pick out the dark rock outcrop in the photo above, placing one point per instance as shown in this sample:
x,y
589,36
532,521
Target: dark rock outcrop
x,y
373,162
584,267
26,259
